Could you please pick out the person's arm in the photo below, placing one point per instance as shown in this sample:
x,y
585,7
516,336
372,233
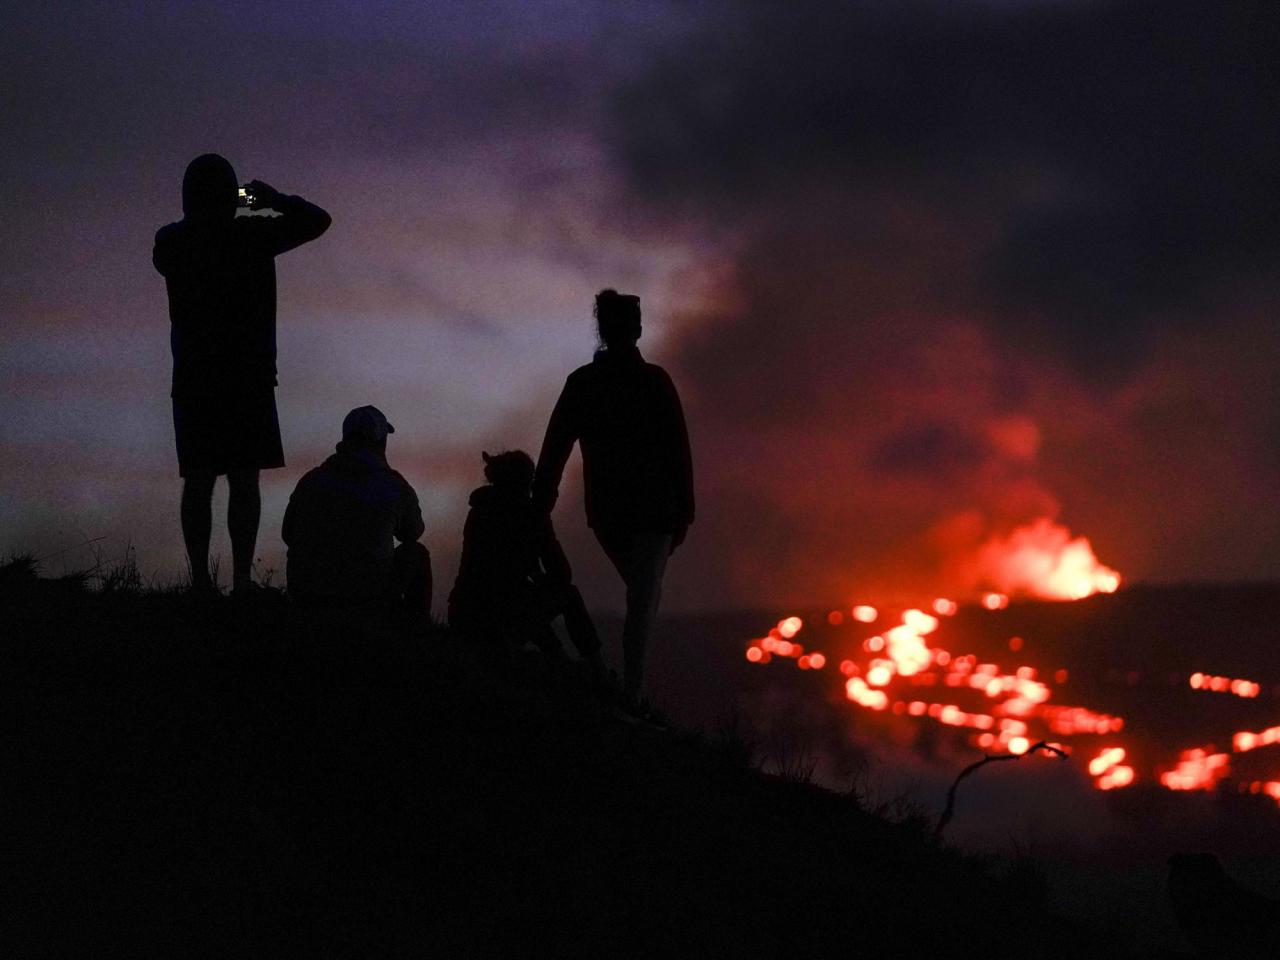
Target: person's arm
x,y
552,555
290,517
557,444
162,252
683,462
300,221
409,525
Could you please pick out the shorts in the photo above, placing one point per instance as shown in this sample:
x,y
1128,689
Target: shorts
x,y
218,435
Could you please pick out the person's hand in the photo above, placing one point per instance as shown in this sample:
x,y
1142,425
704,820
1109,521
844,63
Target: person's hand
x,y
677,537
263,195
544,501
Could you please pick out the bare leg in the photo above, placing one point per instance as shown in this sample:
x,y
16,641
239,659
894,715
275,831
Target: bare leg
x,y
244,509
197,524
641,560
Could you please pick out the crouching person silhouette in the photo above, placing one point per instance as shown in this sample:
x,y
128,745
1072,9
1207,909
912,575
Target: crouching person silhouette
x,y
514,579
341,521
220,273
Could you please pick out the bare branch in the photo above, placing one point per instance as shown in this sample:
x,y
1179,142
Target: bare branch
x,y
950,809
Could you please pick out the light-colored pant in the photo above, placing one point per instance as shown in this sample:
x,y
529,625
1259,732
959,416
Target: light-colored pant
x,y
641,560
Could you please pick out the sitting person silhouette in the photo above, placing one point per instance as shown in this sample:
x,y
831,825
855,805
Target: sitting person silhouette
x,y
514,579
220,273
636,466
342,518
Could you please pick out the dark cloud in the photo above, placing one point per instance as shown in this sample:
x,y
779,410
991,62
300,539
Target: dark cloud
x,y
1127,150
986,262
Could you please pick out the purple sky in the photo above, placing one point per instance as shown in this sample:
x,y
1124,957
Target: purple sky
x,y
872,247
457,154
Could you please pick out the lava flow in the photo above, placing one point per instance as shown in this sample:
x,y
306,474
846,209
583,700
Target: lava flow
x,y
902,671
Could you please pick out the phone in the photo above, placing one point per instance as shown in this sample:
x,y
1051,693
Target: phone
x,y
242,196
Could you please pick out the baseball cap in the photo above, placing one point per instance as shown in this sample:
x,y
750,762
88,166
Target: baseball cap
x,y
366,423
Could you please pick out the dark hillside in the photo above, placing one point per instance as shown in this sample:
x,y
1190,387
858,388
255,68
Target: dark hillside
x,y
227,779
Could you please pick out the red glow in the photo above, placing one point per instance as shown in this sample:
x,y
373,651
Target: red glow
x,y
1245,741
1104,761
945,608
1240,688
1270,788
1118,776
1197,770
920,622
1109,772
1043,560
857,691
880,674
901,658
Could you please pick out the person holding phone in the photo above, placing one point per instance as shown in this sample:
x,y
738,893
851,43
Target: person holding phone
x,y
219,270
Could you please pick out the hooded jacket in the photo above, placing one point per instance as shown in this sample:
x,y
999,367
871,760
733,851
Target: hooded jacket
x,y
340,525
636,465
506,542
221,278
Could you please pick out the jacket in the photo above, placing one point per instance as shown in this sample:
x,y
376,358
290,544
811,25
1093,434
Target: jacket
x,y
506,543
221,279
636,466
340,525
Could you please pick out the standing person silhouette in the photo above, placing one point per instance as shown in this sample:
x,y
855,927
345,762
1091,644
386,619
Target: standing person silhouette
x,y
221,278
636,467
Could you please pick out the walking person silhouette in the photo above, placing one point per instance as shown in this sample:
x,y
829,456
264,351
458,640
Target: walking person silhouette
x,y
636,466
219,270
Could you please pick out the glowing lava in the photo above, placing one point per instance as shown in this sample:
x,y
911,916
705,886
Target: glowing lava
x,y
1240,688
902,673
1043,560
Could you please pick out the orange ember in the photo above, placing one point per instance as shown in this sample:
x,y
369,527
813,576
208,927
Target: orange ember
x,y
1240,688
865,614
1197,770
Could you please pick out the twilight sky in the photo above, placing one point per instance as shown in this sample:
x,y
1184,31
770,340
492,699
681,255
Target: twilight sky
x,y
924,272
